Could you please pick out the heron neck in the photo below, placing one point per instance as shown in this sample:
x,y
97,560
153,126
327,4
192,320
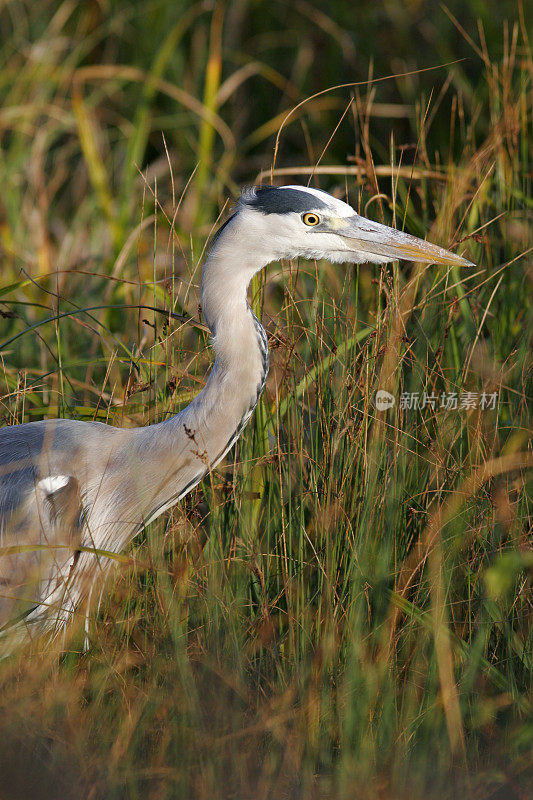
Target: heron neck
x,y
182,448
225,279
218,414
238,338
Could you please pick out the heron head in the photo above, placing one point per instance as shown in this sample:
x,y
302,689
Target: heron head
x,y
297,221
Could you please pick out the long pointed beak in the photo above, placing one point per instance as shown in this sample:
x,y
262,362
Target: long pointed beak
x,y
379,241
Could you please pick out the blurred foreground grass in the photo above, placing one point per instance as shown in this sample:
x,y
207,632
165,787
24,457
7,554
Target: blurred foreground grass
x,y
344,609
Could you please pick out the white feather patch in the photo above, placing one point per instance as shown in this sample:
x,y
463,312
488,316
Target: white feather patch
x,y
339,207
53,483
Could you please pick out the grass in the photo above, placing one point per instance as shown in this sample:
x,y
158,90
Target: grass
x,y
343,609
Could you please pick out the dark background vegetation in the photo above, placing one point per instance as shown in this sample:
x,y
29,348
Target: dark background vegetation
x,y
343,610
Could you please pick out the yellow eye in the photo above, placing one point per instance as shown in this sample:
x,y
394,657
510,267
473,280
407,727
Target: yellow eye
x,y
310,219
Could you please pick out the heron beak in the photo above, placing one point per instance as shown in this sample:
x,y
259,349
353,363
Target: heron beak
x,y
364,236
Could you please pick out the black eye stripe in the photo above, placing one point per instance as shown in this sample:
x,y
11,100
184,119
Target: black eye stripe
x,y
277,200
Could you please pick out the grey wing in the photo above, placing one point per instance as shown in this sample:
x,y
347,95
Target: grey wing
x,y
41,520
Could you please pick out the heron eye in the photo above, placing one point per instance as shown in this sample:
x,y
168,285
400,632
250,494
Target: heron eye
x,y
310,219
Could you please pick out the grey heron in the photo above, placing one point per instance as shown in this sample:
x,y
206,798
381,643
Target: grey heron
x,y
67,486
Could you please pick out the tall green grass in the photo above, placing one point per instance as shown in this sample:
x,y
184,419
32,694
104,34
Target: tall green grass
x,y
343,609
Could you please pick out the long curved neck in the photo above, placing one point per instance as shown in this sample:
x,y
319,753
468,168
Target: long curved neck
x,y
241,350
167,459
181,449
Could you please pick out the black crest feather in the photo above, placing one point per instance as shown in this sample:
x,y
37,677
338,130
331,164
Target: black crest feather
x,y
275,200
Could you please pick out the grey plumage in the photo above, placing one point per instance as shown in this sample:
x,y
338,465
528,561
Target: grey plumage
x,y
68,486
